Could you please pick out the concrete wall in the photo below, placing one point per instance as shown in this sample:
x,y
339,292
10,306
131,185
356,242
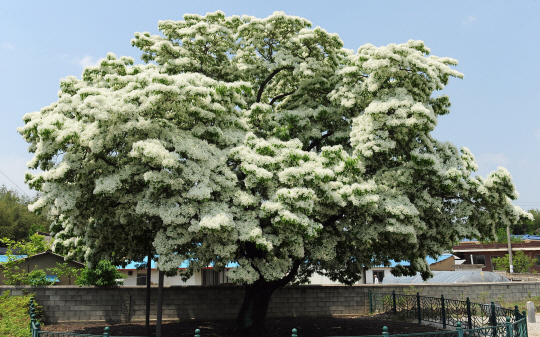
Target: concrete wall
x,y
71,304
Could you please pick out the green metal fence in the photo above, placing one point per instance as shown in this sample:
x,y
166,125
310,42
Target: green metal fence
x,y
477,319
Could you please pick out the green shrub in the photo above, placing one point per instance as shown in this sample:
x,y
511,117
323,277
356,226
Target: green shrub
x,y
14,316
104,274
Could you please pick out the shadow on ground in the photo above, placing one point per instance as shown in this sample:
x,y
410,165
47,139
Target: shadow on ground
x,y
276,327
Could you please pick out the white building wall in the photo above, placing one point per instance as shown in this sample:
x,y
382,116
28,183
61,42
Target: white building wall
x,y
131,280
369,273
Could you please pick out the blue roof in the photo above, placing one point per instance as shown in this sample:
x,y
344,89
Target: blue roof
x,y
134,264
4,258
430,260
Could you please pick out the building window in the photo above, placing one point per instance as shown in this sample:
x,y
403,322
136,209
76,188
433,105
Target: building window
x,y
479,259
141,279
130,272
379,274
210,277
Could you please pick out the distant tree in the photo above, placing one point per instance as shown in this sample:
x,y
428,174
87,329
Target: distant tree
x,y
15,218
502,237
37,228
102,274
522,263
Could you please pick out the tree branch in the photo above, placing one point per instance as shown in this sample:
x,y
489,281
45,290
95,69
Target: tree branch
x,y
281,96
318,141
294,270
274,73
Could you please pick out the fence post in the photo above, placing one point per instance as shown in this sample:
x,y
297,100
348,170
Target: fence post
x,y
294,333
418,307
385,331
36,330
32,314
525,320
469,316
493,315
509,330
370,302
197,333
516,313
459,329
394,301
106,332
443,311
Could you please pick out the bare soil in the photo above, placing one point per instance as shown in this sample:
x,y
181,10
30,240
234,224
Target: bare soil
x,y
275,327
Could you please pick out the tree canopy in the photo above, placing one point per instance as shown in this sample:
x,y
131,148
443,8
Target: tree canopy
x,y
266,143
16,221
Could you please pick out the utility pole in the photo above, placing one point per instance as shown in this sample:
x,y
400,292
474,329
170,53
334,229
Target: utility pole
x,y
509,250
148,282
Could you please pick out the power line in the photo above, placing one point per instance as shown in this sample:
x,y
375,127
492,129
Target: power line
x,y
14,184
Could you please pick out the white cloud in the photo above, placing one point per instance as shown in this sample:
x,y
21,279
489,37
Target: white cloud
x,y
83,62
8,45
468,20
492,159
87,61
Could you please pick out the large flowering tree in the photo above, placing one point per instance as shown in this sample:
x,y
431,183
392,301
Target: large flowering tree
x,y
265,143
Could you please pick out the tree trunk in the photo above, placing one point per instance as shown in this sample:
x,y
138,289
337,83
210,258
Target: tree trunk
x,y
252,316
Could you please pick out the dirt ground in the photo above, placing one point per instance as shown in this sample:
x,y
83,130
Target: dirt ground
x,y
276,327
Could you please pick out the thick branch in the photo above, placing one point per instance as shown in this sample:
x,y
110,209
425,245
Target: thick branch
x,y
281,96
294,270
318,141
274,73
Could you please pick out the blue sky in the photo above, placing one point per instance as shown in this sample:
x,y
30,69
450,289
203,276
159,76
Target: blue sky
x,y
495,108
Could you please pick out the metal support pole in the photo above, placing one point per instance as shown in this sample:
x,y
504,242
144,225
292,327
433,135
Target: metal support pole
x,y
509,330
148,282
443,310
469,316
370,302
459,329
159,303
418,307
493,314
294,333
509,249
394,302
385,331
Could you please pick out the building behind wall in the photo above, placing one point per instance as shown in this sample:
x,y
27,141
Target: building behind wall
x,y
477,253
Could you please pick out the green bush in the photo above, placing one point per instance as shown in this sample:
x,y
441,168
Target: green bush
x,y
14,316
104,274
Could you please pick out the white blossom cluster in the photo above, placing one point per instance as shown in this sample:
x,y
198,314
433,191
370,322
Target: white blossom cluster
x,y
262,142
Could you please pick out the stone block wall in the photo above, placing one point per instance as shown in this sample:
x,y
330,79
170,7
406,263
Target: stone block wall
x,y
124,304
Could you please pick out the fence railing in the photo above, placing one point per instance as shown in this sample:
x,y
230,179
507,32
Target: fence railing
x,y
477,319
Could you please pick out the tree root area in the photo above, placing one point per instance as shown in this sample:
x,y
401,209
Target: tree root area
x,y
275,327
